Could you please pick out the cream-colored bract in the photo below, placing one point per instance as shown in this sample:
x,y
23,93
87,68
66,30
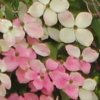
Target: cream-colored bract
x,y
78,25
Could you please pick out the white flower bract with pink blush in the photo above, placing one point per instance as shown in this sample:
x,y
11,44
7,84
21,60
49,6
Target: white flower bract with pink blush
x,y
75,29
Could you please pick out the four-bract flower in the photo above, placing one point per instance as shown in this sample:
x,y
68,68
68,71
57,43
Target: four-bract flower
x,y
75,29
78,61
40,7
11,33
86,92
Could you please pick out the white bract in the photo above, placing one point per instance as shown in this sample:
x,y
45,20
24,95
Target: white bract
x,y
86,92
75,29
48,9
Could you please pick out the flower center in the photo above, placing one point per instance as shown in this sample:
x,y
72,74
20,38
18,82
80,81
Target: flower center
x,y
75,27
10,28
17,54
70,81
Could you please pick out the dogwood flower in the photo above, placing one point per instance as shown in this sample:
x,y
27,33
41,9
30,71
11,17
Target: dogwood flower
x,y
16,58
75,80
39,77
74,63
40,8
11,33
75,29
86,92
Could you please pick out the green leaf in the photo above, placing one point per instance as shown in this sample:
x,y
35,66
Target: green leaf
x,y
96,27
64,96
9,12
53,48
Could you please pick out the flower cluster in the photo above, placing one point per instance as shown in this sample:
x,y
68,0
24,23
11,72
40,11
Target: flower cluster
x,y
25,54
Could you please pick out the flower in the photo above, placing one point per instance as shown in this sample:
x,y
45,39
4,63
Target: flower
x,y
86,92
16,58
74,63
40,8
75,29
75,80
11,33
39,77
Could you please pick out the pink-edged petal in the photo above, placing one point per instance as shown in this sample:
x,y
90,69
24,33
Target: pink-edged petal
x,y
28,19
5,25
73,50
32,26
71,91
36,9
26,51
67,35
89,84
32,41
48,85
5,80
85,67
30,96
90,55
34,30
2,91
54,34
83,19
45,2
41,49
30,75
10,52
11,63
59,79
51,64
59,5
50,17
66,18
38,83
32,88
23,63
72,64
37,66
77,78
44,97
21,76
13,96
82,34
